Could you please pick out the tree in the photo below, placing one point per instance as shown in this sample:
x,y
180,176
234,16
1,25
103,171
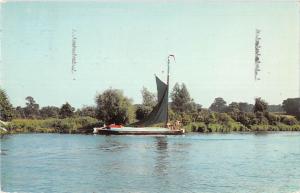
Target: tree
x,y
32,108
245,107
149,99
19,112
219,105
223,118
114,107
260,105
203,115
142,111
49,112
6,109
88,111
247,118
275,108
66,110
240,107
292,106
233,107
260,116
233,110
181,100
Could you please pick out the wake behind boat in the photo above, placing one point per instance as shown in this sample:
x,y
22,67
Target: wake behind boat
x,y
159,114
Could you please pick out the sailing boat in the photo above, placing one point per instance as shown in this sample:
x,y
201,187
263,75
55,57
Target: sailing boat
x,y
159,114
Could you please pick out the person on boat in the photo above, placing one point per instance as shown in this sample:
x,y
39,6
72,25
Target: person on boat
x,y
169,126
177,125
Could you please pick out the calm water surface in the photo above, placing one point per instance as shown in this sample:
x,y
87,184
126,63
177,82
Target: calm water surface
x,y
219,163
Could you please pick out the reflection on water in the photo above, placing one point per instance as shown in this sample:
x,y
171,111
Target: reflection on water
x,y
112,145
261,133
161,143
161,161
3,152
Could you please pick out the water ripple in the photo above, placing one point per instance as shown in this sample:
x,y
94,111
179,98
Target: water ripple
x,y
242,163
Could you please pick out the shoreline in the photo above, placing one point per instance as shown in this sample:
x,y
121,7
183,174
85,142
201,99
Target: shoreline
x,y
187,133
86,125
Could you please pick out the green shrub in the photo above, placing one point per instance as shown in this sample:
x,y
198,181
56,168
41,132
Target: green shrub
x,y
236,126
67,125
2,132
186,119
215,127
247,119
211,118
262,120
284,127
258,128
202,116
288,120
272,118
196,127
223,118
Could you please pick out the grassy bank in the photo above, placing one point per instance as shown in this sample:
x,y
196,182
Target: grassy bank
x,y
237,127
207,121
215,122
52,125
2,125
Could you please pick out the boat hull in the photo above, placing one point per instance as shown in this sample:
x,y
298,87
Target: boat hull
x,y
125,131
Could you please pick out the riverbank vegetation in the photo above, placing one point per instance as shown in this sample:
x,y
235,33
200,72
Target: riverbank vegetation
x,y
112,106
237,116
54,125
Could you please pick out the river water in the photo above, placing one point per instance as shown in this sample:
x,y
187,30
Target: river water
x,y
219,163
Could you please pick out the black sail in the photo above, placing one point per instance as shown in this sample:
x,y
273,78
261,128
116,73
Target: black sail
x,y
159,113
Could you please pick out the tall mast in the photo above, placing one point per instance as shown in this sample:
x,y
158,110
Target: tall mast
x,y
299,43
168,79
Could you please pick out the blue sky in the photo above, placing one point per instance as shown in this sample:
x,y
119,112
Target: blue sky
x,y
123,44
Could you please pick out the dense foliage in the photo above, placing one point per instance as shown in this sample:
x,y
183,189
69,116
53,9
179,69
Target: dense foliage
x,y
181,100
221,117
54,125
219,105
49,112
32,108
275,108
6,109
292,106
66,110
89,111
142,111
149,98
114,107
208,121
260,105
149,101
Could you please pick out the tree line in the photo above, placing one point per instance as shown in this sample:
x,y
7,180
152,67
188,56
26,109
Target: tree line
x,y
32,110
112,106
